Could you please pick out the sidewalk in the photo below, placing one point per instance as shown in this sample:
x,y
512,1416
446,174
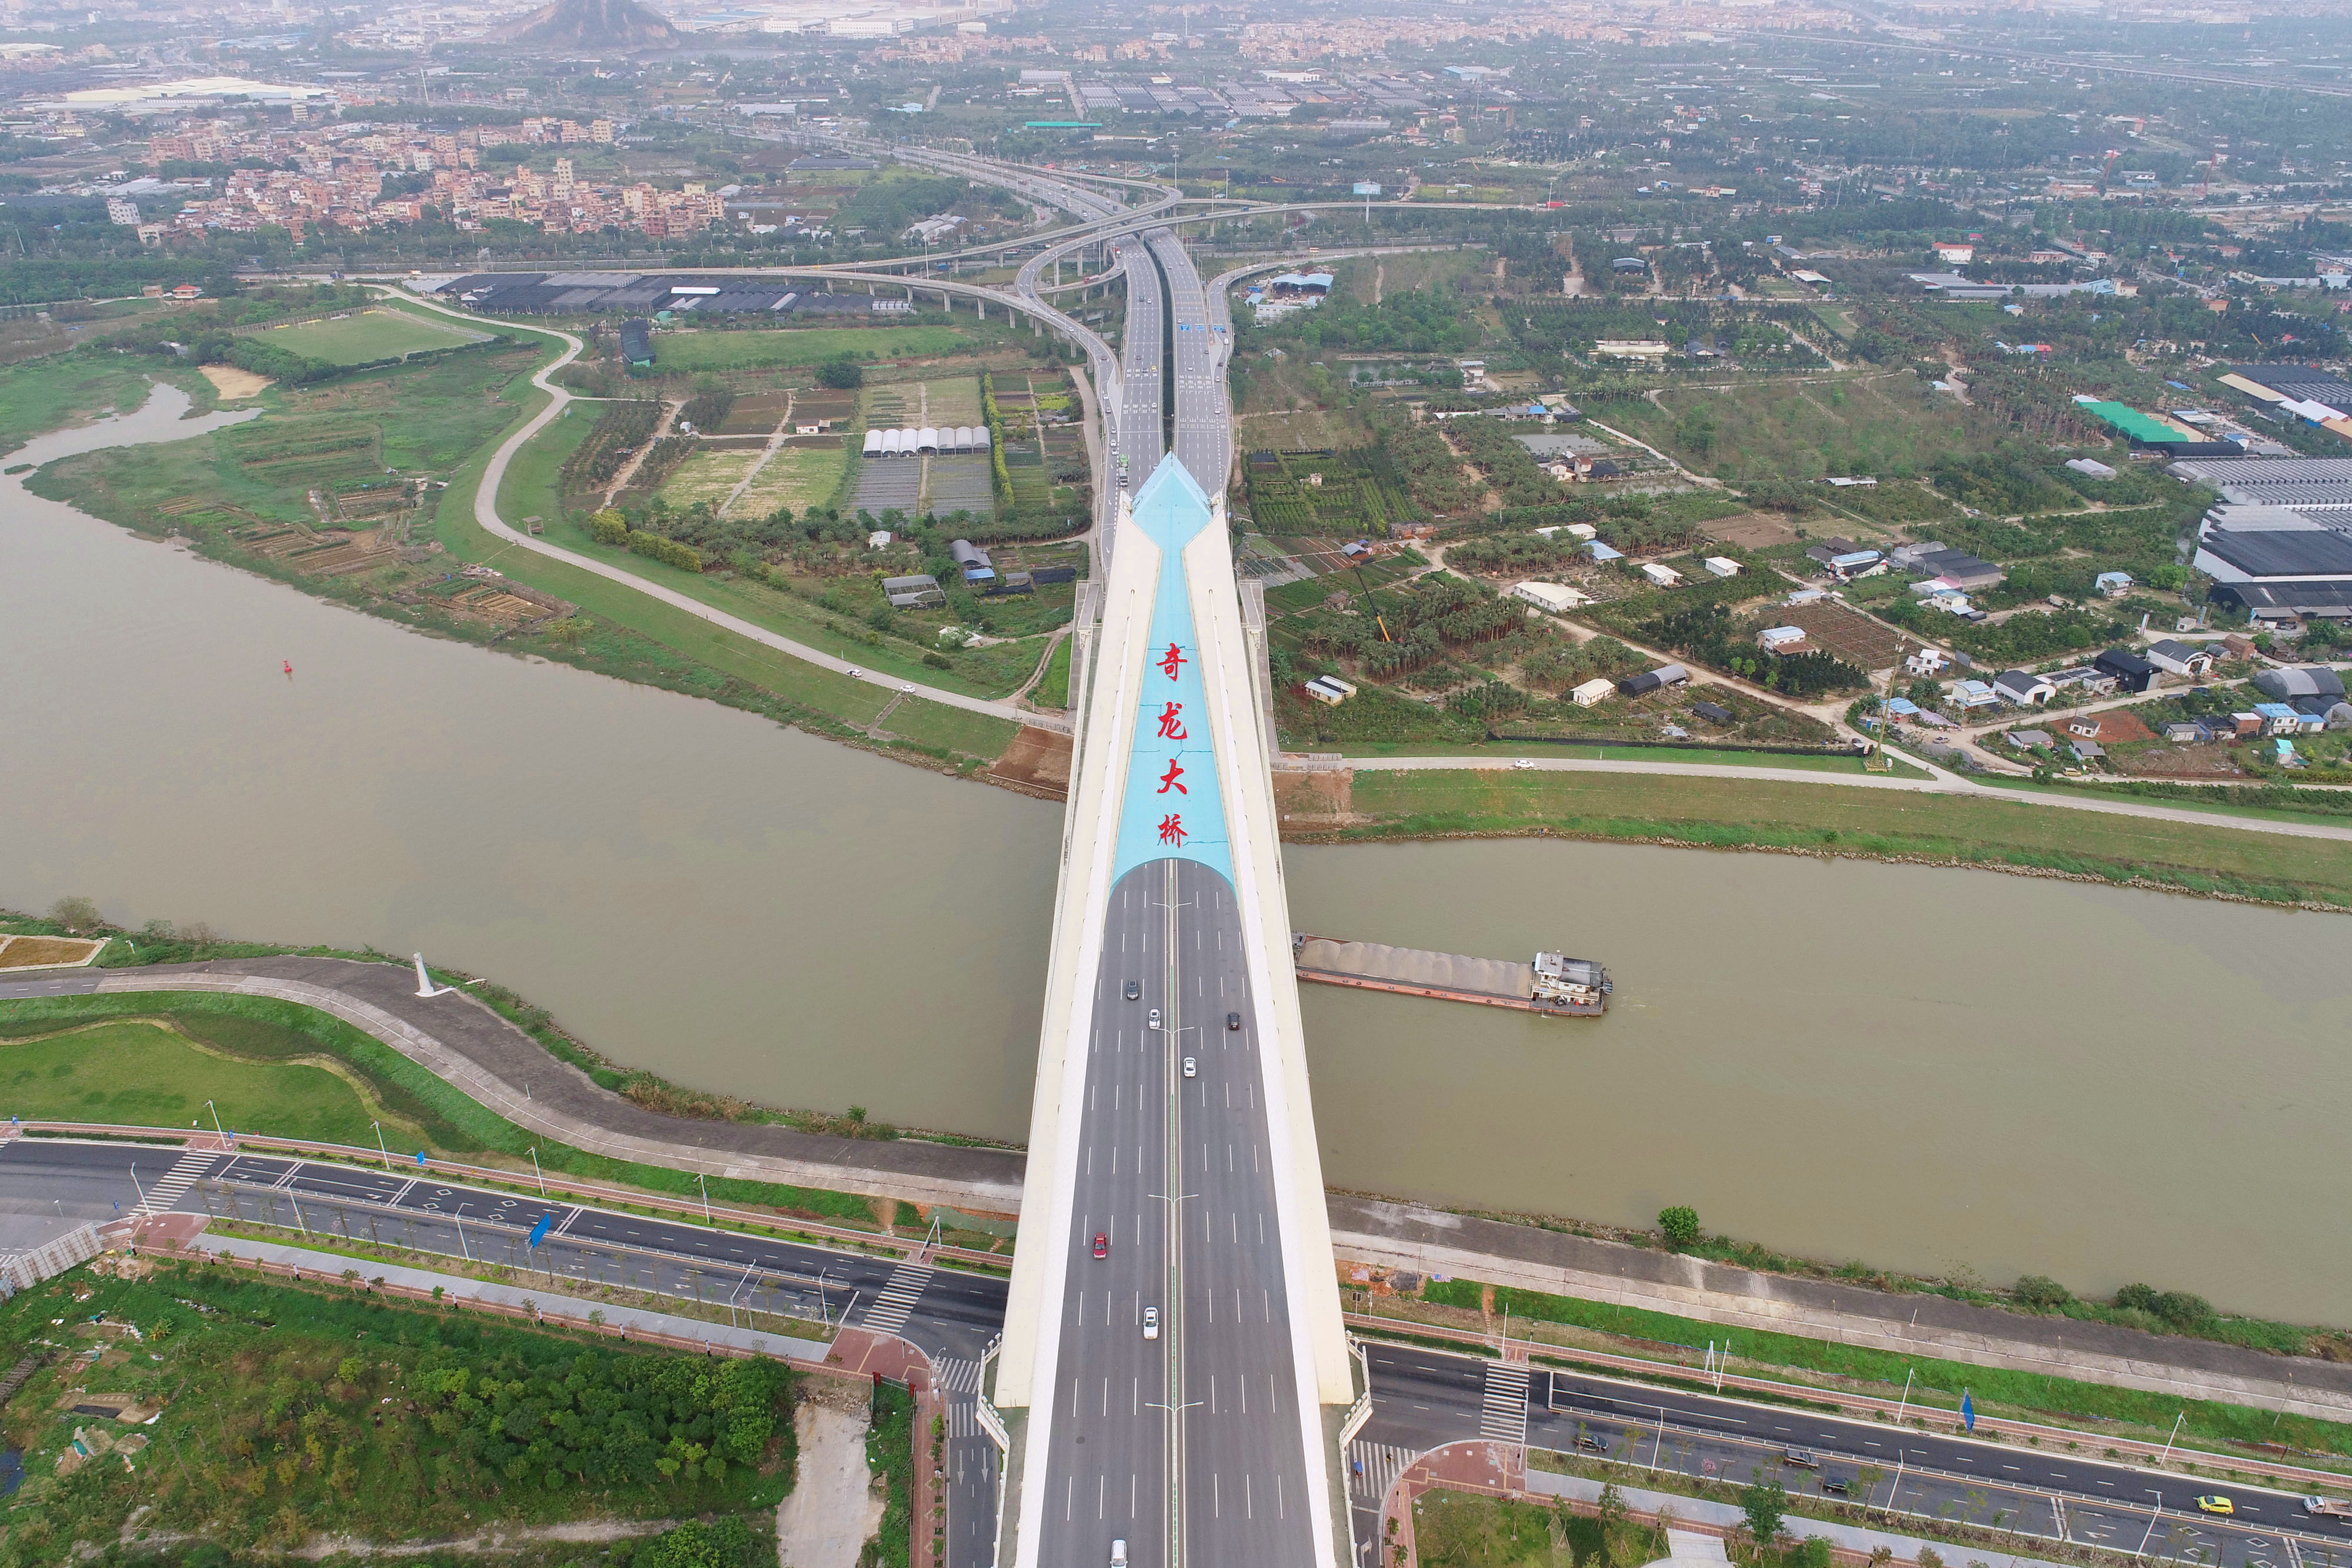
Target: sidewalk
x,y
632,1324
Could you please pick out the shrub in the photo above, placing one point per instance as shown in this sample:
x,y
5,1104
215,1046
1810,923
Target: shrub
x,y
669,552
937,661
841,373
1679,1225
2041,1292
609,528
2181,1310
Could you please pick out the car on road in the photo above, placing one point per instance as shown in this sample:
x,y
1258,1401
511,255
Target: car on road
x,y
1102,1245
1525,762
2214,1502
855,674
1189,1069
1590,1444
1835,1485
908,688
1805,1457
1152,1322
1119,1554
1133,990
1232,1020
1155,1018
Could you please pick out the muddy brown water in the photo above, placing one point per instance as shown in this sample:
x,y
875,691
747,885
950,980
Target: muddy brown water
x,y
1927,1069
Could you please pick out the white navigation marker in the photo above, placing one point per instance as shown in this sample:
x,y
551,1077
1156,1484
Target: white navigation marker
x,y
424,986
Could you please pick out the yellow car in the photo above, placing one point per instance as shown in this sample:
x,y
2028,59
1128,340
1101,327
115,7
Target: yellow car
x,y
2216,1504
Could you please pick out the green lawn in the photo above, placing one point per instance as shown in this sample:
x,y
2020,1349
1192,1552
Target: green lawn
x,y
1053,686
1736,813
706,350
1881,424
365,335
148,1072
293,1059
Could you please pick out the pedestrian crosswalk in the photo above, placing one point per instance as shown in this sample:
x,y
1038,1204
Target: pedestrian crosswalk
x,y
889,1310
1374,1468
959,1376
1503,1417
162,1196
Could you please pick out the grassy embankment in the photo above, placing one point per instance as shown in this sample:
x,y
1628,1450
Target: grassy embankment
x,y
288,1412
278,1068
61,390
1938,1384
1727,814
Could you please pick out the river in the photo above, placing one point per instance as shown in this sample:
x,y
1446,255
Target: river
x,y
1941,1070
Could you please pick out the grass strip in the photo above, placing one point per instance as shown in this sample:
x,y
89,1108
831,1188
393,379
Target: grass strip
x,y
1939,1384
1903,825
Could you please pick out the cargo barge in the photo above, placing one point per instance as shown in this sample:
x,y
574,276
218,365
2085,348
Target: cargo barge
x,y
1572,988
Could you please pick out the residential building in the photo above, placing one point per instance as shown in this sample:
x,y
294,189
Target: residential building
x,y
1926,662
2278,719
1722,566
1779,639
1556,598
1590,691
2114,584
1968,695
2131,673
2096,683
1661,575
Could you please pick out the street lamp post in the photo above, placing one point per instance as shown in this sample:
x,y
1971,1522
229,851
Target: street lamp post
x,y
2152,1520
462,1246
379,1145
135,1182
705,1198
216,1124
535,1171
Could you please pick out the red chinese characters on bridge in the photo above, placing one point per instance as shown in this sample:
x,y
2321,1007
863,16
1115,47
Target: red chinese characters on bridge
x,y
1172,661
1171,729
1171,829
1168,780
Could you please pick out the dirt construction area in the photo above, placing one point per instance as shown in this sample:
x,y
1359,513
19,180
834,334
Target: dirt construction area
x,y
233,384
834,1508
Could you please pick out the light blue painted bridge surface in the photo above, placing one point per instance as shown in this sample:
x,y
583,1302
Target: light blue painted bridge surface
x,y
1172,808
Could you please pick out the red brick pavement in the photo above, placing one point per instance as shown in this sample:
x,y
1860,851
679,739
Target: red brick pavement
x,y
1471,1465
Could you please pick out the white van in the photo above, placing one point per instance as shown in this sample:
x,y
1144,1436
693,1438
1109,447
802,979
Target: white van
x,y
1119,1554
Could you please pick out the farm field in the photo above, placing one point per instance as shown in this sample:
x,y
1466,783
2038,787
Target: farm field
x,y
366,335
1882,424
796,476
711,350
708,475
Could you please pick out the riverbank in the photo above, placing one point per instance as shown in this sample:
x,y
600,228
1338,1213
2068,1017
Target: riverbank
x,y
479,1058
244,506
224,505
1916,827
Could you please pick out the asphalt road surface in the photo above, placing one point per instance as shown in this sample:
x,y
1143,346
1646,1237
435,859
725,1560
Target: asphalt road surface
x,y
1222,1460
1421,1398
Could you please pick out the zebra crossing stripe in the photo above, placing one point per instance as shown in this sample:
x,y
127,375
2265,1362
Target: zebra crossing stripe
x,y
959,1376
1502,1415
163,1195
1374,1468
896,1300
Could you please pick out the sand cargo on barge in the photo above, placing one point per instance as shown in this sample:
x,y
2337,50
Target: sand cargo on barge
x,y
1574,987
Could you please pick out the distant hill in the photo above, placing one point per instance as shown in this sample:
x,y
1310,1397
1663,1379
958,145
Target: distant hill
x,y
593,25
